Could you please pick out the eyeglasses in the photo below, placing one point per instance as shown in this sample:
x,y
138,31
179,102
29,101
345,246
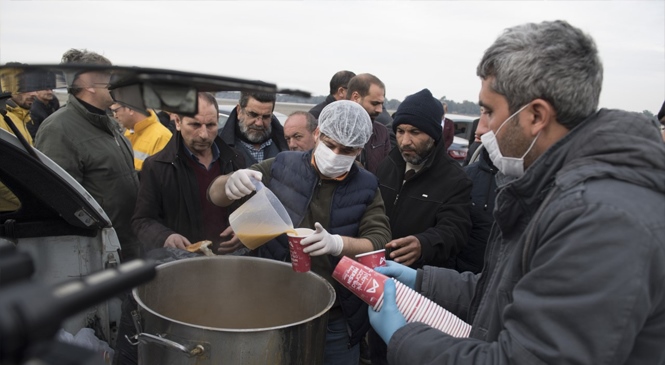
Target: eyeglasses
x,y
252,115
116,109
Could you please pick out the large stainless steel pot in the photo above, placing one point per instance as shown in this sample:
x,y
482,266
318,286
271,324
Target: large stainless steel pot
x,y
232,310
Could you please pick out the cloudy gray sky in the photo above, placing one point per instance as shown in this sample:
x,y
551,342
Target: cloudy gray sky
x,y
410,45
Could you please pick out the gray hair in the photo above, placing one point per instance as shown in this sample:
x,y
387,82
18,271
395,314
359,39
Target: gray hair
x,y
311,124
553,61
84,57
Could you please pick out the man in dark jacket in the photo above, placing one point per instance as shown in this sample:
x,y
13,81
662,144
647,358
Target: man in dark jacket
x,y
86,143
338,86
45,104
253,130
370,92
428,194
172,209
326,190
576,257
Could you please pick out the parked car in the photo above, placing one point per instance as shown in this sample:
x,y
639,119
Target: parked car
x,y
463,136
59,260
225,111
458,149
463,125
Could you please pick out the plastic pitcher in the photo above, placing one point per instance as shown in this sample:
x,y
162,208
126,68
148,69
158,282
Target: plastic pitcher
x,y
260,219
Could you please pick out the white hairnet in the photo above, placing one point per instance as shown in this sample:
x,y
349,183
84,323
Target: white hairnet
x,y
346,122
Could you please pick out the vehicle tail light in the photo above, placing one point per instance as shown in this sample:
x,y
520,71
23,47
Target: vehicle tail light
x,y
457,154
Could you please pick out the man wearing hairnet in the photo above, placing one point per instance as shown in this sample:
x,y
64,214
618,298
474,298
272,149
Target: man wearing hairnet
x,y
325,190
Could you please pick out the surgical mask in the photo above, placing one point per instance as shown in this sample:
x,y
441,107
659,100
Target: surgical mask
x,y
509,166
331,164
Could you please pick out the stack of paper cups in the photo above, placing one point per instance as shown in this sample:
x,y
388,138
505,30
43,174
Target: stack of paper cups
x,y
367,284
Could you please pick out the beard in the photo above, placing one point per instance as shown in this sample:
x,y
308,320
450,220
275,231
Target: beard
x,y
255,134
418,153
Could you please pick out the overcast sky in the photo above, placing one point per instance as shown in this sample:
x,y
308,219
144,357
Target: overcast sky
x,y
409,45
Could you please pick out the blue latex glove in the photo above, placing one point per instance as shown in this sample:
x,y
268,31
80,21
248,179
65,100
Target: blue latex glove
x,y
404,274
389,319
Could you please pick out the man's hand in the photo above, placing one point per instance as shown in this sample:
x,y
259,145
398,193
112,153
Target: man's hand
x,y
176,241
404,274
240,183
405,250
389,319
231,245
321,242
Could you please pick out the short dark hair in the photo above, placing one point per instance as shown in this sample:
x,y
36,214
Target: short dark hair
x,y
261,97
312,123
361,84
340,79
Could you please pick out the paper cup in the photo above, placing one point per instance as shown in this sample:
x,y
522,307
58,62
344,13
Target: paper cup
x,y
300,261
372,259
361,280
367,284
417,308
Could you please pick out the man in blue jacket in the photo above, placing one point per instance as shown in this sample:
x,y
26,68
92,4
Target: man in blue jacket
x,y
576,259
326,190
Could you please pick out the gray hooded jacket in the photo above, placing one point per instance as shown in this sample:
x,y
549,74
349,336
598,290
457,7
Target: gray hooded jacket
x,y
575,270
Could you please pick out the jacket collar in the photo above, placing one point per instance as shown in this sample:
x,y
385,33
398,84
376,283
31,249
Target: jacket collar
x,y
145,123
22,113
100,121
396,156
608,144
228,133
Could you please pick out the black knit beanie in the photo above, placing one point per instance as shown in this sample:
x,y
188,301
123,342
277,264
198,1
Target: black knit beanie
x,y
422,111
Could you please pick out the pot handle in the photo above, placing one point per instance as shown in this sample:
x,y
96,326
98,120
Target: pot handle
x,y
148,338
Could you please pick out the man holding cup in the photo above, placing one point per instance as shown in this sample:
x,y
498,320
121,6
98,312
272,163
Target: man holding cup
x,y
575,260
325,190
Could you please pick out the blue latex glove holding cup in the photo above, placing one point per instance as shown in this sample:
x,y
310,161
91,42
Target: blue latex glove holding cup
x,y
389,319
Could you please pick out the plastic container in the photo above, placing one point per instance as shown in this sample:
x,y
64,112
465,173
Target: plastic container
x,y
260,219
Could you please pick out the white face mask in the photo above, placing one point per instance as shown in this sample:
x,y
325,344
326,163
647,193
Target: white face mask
x,y
331,164
509,166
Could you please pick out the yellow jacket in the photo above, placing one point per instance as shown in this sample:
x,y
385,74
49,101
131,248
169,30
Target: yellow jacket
x,y
148,137
21,118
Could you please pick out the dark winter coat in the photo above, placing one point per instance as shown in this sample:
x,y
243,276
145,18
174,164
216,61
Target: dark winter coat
x,y
168,200
229,135
483,193
316,110
575,262
433,205
376,149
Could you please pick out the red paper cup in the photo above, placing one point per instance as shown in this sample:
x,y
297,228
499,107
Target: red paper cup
x,y
361,280
372,259
300,261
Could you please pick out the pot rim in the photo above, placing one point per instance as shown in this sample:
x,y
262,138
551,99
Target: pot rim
x,y
143,306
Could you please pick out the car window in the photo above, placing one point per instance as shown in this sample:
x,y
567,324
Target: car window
x,y
221,122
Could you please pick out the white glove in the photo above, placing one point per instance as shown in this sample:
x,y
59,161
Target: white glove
x,y
240,183
321,242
